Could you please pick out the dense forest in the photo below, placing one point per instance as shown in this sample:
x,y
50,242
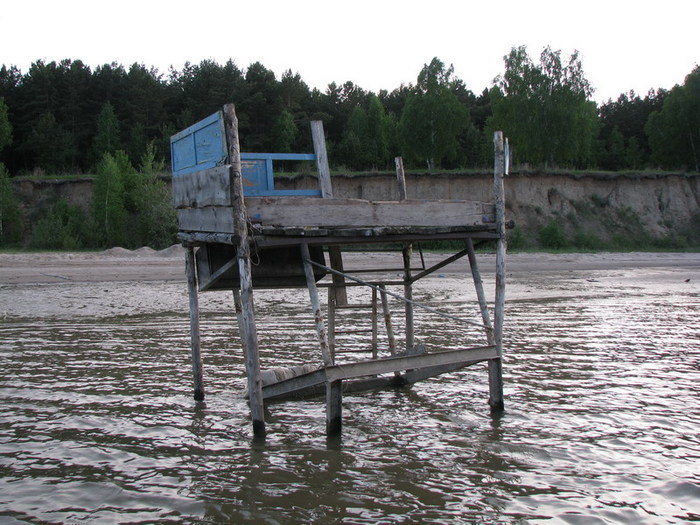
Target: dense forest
x,y
61,117
115,123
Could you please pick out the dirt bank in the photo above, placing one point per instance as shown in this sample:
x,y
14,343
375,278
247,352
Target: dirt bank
x,y
605,206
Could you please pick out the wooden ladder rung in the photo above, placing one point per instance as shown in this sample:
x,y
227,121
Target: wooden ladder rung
x,y
353,306
355,351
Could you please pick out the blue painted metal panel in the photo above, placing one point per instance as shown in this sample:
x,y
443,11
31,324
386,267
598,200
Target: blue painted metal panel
x,y
199,147
203,146
255,180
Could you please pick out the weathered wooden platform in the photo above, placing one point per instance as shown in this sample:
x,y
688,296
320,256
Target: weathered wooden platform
x,y
230,212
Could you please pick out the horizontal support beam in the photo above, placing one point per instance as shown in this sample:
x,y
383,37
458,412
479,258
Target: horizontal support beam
x,y
433,364
309,212
409,362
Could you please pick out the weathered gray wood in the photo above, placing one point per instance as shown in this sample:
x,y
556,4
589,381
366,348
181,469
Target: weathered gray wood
x,y
331,320
246,282
366,384
409,362
213,278
413,376
439,265
324,171
352,213
316,306
214,219
339,290
408,294
324,180
480,295
293,385
400,178
375,325
465,357
207,237
238,305
382,290
495,365
191,272
387,319
299,212
210,187
334,407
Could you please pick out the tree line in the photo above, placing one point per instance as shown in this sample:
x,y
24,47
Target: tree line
x,y
63,117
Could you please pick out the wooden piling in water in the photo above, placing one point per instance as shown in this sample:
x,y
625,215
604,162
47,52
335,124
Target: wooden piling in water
x,y
495,365
197,376
406,253
249,334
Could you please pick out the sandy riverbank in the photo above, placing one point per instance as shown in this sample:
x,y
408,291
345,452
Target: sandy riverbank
x,y
118,264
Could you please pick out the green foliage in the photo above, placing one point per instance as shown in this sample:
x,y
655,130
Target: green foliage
x,y
433,117
516,239
625,118
674,131
598,201
284,133
63,115
109,202
545,109
50,145
552,236
156,217
585,240
692,231
10,217
365,142
5,126
107,136
132,209
129,209
64,227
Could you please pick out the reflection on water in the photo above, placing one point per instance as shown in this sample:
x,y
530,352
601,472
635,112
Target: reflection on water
x,y
601,425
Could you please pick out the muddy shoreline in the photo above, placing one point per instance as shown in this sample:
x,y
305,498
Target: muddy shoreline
x,y
118,264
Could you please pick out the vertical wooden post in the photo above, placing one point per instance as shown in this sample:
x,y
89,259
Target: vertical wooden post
x,y
316,306
408,294
495,365
334,390
334,407
406,252
481,296
339,289
400,178
332,301
324,171
239,318
375,323
240,221
191,271
387,319
324,181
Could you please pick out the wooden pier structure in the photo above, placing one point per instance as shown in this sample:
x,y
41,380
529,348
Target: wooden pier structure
x,y
227,203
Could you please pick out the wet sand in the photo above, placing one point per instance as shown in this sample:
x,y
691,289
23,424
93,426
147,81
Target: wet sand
x,y
145,264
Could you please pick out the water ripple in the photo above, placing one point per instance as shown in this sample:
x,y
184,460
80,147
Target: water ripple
x,y
602,425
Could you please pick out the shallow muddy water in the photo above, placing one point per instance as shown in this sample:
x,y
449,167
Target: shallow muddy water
x,y
602,420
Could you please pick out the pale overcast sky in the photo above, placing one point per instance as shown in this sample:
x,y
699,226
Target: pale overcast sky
x,y
376,44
